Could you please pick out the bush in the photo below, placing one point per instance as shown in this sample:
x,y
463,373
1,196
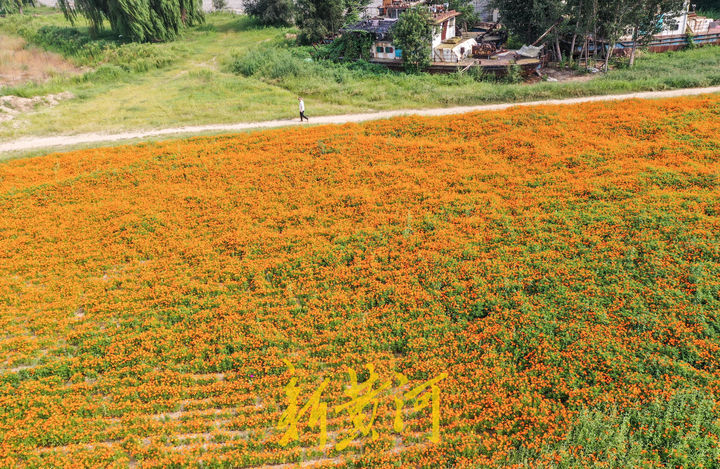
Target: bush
x,y
104,73
139,57
512,76
269,63
679,432
413,34
270,12
84,50
278,64
351,46
69,42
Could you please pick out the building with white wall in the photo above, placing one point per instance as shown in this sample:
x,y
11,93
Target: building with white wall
x,y
447,45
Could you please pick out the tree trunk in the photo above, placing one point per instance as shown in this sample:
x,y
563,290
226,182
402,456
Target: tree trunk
x,y
584,50
587,53
557,48
595,35
634,47
572,44
608,54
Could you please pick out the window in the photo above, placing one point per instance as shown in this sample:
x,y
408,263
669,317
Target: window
x,y
389,50
379,49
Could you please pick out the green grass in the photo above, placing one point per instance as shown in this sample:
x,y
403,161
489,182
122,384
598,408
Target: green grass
x,y
672,433
197,79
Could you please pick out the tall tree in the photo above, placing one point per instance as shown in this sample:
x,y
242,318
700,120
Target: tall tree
x,y
412,33
641,18
650,17
529,19
605,20
318,19
8,7
137,20
579,25
270,12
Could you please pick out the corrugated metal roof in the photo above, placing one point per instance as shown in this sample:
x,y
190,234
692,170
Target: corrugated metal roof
x,y
380,28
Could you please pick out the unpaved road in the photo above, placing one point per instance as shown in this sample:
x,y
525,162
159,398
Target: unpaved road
x,y
57,142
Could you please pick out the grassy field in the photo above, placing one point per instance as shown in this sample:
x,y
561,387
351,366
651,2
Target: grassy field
x,y
193,80
551,274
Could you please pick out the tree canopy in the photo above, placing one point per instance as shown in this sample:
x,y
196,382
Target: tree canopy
x,y
468,17
318,19
270,12
14,6
137,20
606,20
528,19
413,35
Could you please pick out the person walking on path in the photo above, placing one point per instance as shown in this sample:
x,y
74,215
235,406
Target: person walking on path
x,y
302,109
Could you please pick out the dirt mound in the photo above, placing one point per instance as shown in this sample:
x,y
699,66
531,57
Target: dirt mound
x,y
11,106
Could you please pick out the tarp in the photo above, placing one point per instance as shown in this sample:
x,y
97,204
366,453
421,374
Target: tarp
x,y
530,51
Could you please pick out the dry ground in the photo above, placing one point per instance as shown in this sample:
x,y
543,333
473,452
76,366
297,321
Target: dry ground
x,y
21,64
568,75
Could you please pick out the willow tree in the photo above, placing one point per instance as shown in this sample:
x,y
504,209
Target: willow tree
x,y
8,7
137,20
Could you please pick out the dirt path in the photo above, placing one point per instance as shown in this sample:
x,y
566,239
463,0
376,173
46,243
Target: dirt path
x,y
57,142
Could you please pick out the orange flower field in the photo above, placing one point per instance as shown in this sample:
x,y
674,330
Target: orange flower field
x,y
538,287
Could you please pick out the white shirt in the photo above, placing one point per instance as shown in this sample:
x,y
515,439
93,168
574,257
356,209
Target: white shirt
x,y
302,106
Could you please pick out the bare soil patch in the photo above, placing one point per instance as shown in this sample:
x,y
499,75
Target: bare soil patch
x,y
21,63
564,75
12,106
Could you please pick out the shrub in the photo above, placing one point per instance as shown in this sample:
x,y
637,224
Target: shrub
x,y
679,432
269,63
84,50
351,46
219,5
139,57
413,35
270,12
